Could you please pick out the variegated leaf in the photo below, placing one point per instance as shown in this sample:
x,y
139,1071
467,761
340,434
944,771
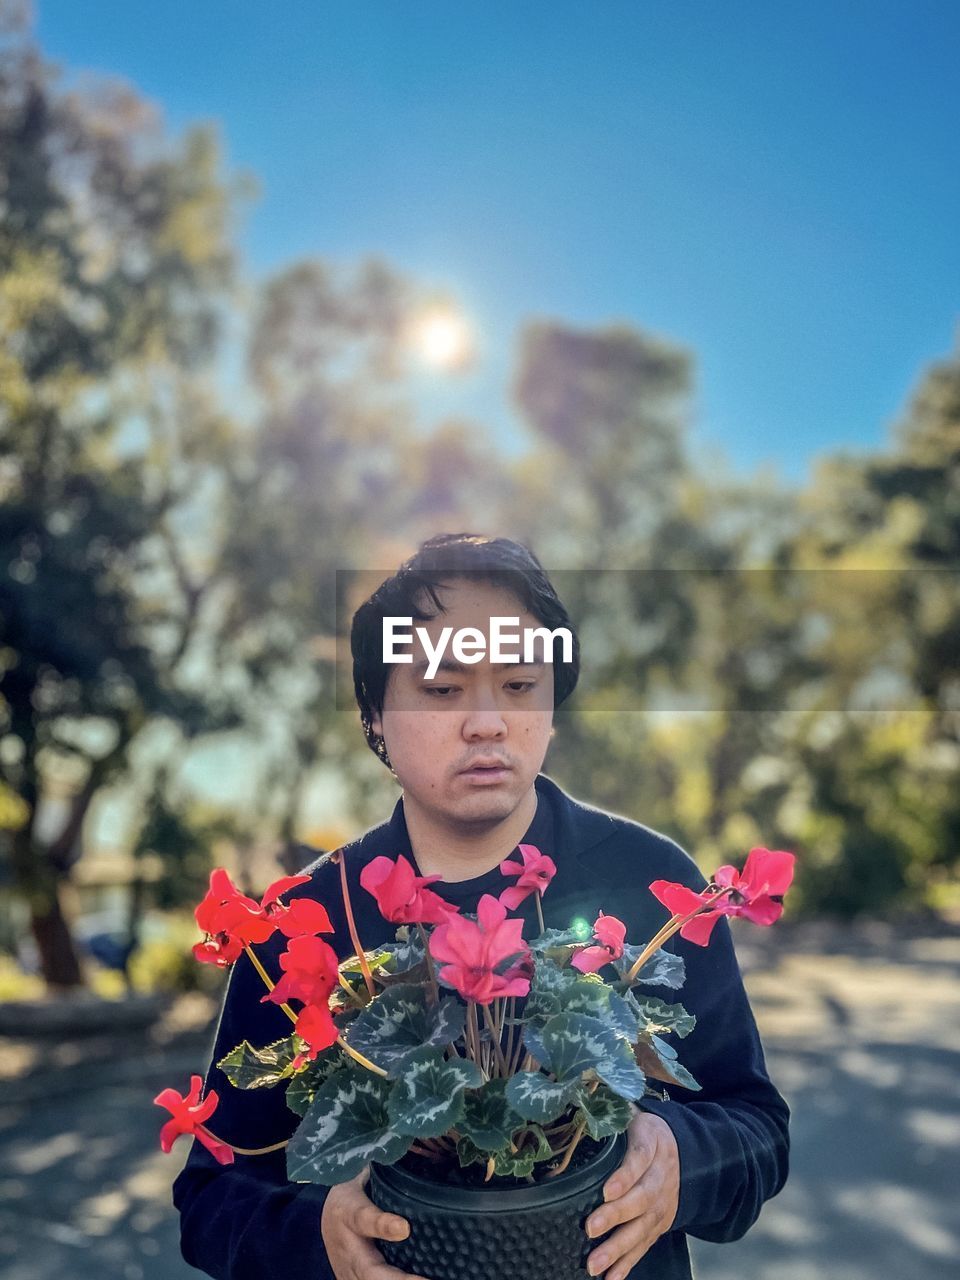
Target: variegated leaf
x,y
427,1100
399,1021
663,969
488,1118
605,1112
655,1016
345,1127
571,1043
305,1082
534,1097
555,938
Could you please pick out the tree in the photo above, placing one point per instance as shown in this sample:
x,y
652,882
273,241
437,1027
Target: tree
x,y
114,260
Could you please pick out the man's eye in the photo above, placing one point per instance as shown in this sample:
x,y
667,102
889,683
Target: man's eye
x,y
521,686
440,690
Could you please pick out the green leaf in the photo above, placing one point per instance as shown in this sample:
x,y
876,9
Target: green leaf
x,y
605,1112
534,1097
346,1126
469,1153
571,1043
488,1118
249,1068
514,1164
663,969
427,1100
654,1015
540,1147
305,1082
659,1060
399,1021
555,938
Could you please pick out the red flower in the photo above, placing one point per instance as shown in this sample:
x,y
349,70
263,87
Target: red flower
x,y
482,960
229,919
232,921
680,901
316,1025
754,891
535,874
303,915
402,895
310,970
609,933
189,1113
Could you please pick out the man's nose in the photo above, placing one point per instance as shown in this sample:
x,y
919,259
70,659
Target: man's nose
x,y
484,719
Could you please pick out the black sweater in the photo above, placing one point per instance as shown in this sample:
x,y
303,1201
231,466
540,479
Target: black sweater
x,y
247,1222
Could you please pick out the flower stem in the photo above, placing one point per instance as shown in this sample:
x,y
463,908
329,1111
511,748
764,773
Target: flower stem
x,y
348,1049
352,925
669,929
358,1057
569,1152
434,985
245,1151
543,927
255,961
495,1037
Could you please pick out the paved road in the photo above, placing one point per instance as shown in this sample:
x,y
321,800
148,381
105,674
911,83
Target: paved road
x,y
862,1029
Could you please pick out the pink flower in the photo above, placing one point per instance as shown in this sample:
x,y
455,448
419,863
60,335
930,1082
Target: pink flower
x,y
310,972
609,933
535,874
402,895
482,960
766,876
188,1114
680,901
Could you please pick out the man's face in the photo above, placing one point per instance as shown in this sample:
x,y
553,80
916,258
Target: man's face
x,y
444,734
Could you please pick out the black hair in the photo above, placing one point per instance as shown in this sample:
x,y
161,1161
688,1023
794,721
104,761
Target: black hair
x,y
501,562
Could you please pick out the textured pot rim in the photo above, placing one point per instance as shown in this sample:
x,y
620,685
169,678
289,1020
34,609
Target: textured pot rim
x,y
487,1199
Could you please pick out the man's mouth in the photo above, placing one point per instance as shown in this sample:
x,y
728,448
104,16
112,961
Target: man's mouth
x,y
486,770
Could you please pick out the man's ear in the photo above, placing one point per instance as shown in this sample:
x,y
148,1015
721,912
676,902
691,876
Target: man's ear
x,y
376,724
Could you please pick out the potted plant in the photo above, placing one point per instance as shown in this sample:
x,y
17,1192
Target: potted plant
x,y
487,1079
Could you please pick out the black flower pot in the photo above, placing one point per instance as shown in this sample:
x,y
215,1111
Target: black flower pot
x,y
534,1231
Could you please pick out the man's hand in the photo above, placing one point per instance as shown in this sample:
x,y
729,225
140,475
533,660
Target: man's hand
x,y
349,1222
642,1195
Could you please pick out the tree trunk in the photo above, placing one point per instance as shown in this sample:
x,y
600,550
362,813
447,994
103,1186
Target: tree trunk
x,y
39,885
59,961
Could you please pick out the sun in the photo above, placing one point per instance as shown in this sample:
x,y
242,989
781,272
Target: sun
x,y
440,337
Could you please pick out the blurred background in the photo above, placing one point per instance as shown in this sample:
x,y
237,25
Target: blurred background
x,y
669,292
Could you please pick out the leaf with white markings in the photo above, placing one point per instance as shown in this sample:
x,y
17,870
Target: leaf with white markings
x,y
655,1016
345,1127
488,1118
663,969
571,1043
305,1083
534,1097
400,1021
427,1100
605,1112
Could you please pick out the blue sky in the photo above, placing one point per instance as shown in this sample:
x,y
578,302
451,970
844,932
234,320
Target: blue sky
x,y
775,187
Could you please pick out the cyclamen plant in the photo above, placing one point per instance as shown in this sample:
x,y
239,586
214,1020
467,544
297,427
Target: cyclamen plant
x,y
461,1042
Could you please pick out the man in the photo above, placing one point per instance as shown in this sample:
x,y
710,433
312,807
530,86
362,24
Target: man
x,y
466,741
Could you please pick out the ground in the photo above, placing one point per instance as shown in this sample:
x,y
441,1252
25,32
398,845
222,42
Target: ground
x,y
862,1032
